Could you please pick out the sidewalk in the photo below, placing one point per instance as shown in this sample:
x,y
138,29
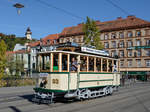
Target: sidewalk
x,y
13,90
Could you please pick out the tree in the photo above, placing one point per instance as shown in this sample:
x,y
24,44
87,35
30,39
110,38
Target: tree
x,y
3,49
15,64
91,34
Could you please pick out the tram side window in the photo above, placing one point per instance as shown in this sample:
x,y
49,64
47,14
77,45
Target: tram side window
x,y
45,64
91,64
64,62
55,62
104,65
115,66
98,64
83,65
110,66
73,63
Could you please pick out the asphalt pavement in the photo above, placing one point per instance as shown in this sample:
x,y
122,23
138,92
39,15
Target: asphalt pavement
x,y
133,97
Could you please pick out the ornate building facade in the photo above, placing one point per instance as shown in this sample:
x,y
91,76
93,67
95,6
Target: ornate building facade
x,y
127,38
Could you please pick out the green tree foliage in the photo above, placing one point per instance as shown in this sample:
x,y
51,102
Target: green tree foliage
x,y
92,34
3,49
12,40
15,64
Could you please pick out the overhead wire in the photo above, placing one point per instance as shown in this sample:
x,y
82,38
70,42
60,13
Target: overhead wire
x,y
60,9
118,7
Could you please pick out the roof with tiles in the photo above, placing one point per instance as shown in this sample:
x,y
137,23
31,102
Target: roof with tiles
x,y
51,37
33,44
49,40
118,24
16,52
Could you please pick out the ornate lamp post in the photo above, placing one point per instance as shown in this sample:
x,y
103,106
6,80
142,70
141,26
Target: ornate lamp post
x,y
18,6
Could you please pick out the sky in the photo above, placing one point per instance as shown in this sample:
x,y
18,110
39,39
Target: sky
x,y
44,19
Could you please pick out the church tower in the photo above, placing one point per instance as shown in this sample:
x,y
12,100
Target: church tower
x,y
28,34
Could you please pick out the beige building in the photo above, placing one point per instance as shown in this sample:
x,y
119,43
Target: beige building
x,y
127,38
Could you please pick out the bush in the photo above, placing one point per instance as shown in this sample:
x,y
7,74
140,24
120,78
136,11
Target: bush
x,y
9,81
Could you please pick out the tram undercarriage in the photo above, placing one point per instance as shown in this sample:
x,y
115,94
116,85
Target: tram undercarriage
x,y
79,94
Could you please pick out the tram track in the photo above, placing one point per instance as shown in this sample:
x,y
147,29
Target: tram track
x,y
86,101
52,106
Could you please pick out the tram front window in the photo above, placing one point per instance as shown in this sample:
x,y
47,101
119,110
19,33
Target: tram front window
x,y
45,64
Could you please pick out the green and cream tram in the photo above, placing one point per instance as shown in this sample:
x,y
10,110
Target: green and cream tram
x,y
95,74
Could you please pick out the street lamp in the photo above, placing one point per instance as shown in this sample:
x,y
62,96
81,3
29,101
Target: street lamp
x,y
18,6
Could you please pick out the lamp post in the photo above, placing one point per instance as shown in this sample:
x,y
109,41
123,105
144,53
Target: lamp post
x,y
18,6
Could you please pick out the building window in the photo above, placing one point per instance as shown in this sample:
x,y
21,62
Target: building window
x,y
138,42
122,53
106,45
139,63
138,33
76,39
130,53
105,36
33,58
60,40
121,63
129,63
64,40
48,41
148,42
148,32
130,34
129,43
32,50
121,44
121,35
148,52
114,45
55,41
114,53
139,53
113,35
33,66
81,39
147,63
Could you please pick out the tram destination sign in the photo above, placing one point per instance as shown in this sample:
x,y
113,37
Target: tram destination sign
x,y
94,51
43,74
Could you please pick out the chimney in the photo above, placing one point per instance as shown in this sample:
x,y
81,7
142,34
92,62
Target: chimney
x,y
119,18
80,24
130,16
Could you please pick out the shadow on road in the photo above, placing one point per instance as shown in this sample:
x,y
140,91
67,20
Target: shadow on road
x,y
30,97
15,109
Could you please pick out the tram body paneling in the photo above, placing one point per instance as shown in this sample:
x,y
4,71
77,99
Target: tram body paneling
x,y
65,81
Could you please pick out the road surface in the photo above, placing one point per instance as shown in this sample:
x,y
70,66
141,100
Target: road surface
x,y
131,98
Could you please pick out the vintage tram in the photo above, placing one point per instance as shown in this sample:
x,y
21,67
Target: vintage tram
x,y
76,73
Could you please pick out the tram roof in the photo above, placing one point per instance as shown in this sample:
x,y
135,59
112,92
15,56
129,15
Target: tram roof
x,y
78,53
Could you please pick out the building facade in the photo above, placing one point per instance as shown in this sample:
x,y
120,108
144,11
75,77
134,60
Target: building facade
x,y
47,43
128,38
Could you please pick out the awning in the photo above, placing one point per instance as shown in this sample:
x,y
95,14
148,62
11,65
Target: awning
x,y
135,72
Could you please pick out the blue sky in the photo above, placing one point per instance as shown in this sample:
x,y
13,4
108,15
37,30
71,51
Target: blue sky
x,y
44,20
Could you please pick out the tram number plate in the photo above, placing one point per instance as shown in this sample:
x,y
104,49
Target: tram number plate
x,y
43,74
